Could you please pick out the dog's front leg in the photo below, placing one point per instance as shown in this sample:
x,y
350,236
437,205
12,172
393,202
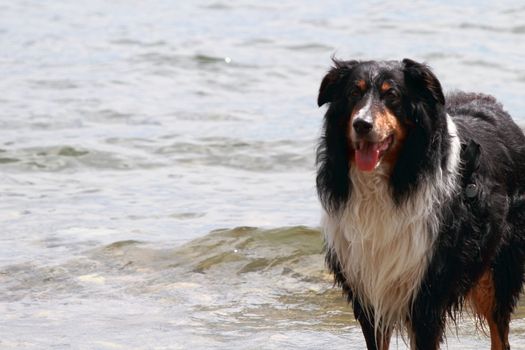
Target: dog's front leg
x,y
427,322
375,339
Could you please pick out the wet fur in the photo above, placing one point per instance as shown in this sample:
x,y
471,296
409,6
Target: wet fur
x,y
405,242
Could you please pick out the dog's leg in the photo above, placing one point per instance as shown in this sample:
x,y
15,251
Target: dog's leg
x,y
508,279
385,340
496,293
508,272
372,336
426,335
483,300
427,322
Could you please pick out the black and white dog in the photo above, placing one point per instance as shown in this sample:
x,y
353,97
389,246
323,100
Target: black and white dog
x,y
424,202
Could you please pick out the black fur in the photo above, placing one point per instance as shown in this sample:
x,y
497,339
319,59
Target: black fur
x,y
482,231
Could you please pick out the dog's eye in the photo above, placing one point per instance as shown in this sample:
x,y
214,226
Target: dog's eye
x,y
390,94
356,92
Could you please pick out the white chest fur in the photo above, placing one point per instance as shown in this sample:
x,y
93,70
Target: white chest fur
x,y
383,248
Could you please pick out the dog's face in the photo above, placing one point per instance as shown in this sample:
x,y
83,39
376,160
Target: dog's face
x,y
374,98
375,130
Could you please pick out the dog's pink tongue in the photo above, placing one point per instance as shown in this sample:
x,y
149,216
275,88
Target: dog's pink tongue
x,y
367,156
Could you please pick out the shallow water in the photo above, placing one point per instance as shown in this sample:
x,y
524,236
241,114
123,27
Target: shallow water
x,y
136,137
233,288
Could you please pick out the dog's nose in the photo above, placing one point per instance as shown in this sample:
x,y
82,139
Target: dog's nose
x,y
362,127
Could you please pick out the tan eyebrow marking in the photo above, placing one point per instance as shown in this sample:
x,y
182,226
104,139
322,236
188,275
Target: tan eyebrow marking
x,y
361,84
385,86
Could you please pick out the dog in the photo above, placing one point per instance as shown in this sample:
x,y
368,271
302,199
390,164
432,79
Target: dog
x,y
423,198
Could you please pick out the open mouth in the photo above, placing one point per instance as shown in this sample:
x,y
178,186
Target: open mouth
x,y
368,154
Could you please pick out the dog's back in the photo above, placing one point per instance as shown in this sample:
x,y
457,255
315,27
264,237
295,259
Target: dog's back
x,y
481,118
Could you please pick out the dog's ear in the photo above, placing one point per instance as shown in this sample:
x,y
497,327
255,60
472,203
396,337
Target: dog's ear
x,y
421,82
334,81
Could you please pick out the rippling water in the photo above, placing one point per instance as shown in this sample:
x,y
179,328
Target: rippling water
x,y
137,135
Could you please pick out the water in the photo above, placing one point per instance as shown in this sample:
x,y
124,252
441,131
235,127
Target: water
x,y
157,163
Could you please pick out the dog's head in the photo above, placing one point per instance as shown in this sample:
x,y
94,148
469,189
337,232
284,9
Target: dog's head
x,y
382,113
379,97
